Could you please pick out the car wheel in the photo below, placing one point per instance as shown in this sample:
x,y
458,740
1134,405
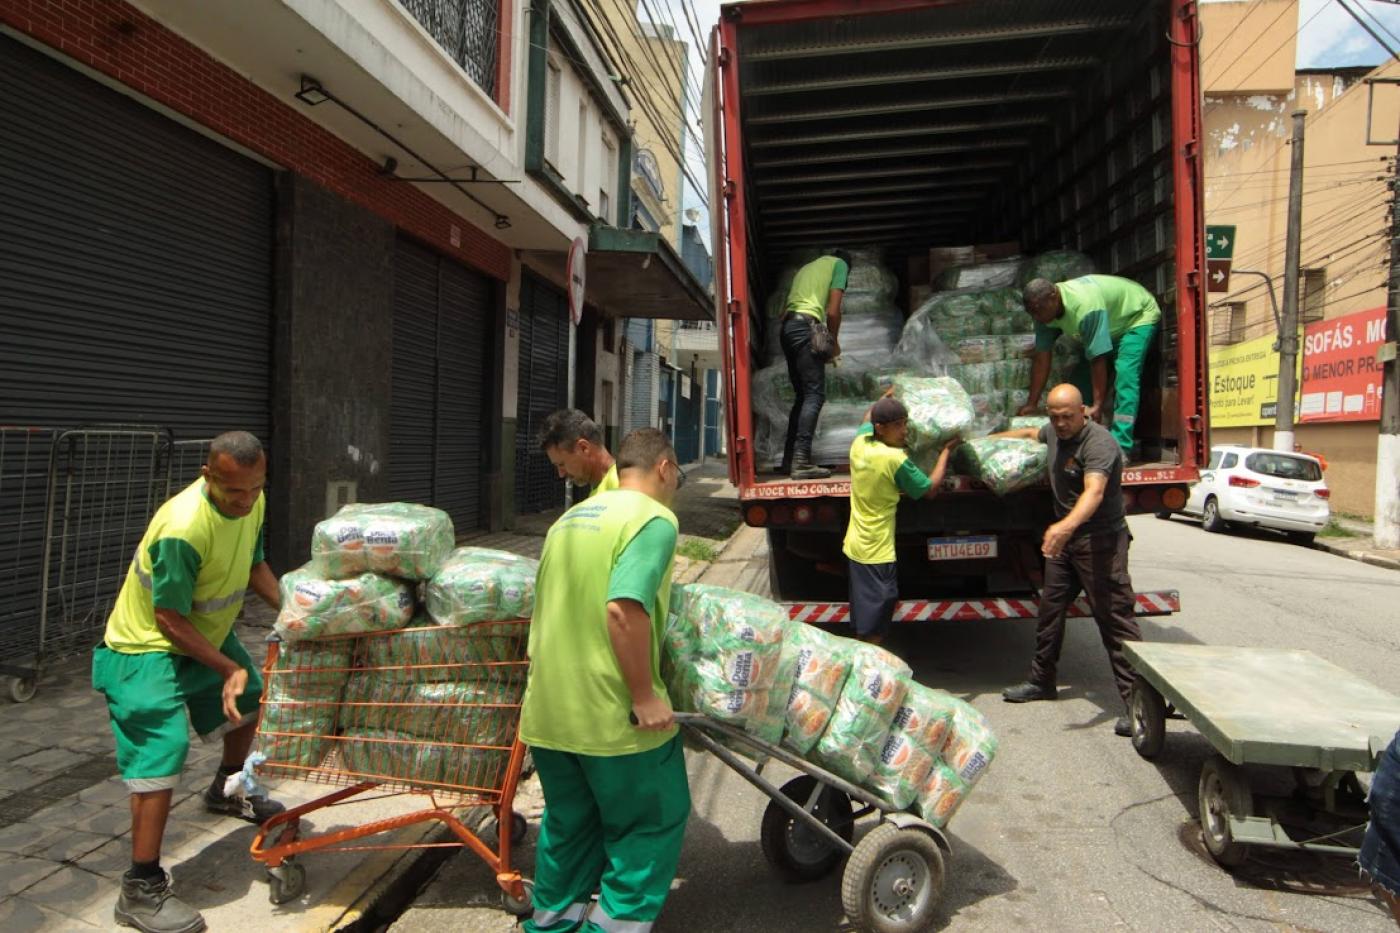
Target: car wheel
x,y
1210,516
1305,538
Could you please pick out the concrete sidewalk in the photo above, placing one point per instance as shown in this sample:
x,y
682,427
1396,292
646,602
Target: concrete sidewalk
x,y
1359,544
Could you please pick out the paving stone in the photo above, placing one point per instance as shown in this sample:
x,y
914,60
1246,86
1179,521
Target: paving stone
x,y
68,846
12,748
14,778
50,760
67,813
20,914
111,791
109,861
70,891
20,873
23,838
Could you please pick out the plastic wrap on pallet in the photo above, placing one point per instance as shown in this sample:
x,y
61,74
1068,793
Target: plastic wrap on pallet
x,y
864,711
402,539
989,413
1004,464
314,607
976,378
1016,399
870,328
1018,346
923,345
1013,374
482,585
820,663
1059,265
836,430
939,410
979,349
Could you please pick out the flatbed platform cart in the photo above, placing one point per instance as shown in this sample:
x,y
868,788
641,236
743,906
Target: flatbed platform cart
x,y
1267,708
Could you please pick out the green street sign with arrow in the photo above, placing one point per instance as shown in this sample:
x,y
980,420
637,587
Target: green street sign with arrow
x,y
1220,242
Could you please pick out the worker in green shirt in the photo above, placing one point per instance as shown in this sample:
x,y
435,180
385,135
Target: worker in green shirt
x,y
170,660
596,714
813,299
1113,320
880,471
573,442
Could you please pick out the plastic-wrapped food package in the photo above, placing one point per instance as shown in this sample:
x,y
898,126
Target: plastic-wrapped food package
x,y
939,410
314,607
980,275
869,274
941,795
466,713
1017,346
482,585
1004,464
301,702
481,651
989,413
971,744
922,350
820,663
402,539
874,382
1016,399
870,328
976,378
836,430
983,349
916,737
403,758
1013,374
869,699
1057,265
723,652
1019,422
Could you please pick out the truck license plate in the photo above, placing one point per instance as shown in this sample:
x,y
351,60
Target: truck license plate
x,y
967,547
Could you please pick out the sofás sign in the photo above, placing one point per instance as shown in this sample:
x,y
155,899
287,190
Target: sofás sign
x,y
1341,375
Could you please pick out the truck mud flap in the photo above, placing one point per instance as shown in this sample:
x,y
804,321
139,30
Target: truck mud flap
x,y
1156,603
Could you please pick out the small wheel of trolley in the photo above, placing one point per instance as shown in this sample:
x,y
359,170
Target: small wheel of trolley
x,y
286,882
794,850
893,881
519,828
1148,712
21,689
522,906
1224,792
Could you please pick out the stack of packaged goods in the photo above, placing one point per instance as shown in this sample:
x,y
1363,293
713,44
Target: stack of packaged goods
x,y
847,706
940,409
1003,464
434,699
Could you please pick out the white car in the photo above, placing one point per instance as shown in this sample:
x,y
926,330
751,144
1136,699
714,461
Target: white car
x,y
1264,488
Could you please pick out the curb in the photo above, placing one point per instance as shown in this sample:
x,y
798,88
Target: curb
x,y
1357,554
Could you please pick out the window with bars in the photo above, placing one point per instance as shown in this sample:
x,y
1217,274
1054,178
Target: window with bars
x,y
468,30
1227,327
1312,295
554,80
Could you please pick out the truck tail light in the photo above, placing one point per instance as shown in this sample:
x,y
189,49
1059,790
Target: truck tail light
x,y
1174,498
1323,492
756,515
802,514
1149,499
1244,482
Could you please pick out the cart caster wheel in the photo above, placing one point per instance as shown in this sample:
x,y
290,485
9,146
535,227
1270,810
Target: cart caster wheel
x,y
21,689
519,828
796,852
286,882
520,907
1148,712
1224,792
893,881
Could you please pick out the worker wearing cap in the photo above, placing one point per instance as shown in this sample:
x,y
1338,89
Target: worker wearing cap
x,y
814,299
616,797
573,442
1113,320
880,471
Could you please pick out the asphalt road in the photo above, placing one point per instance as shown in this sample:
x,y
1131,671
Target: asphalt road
x,y
1070,829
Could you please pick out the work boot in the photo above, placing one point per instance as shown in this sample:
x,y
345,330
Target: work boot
x,y
804,468
255,808
1029,691
149,905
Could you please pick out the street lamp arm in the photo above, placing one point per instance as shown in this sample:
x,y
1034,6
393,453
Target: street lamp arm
x,y
1273,298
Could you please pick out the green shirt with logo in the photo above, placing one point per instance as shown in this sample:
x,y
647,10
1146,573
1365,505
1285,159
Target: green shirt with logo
x,y
616,545
1099,310
879,473
813,284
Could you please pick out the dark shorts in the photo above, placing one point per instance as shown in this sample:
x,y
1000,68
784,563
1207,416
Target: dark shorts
x,y
1380,850
874,591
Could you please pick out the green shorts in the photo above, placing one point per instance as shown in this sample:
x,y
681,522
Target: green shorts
x,y
154,698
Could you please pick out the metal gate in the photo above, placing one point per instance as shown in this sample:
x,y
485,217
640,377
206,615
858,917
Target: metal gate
x,y
544,388
74,505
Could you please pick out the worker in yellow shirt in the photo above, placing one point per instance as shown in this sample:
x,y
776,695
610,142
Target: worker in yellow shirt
x,y
573,442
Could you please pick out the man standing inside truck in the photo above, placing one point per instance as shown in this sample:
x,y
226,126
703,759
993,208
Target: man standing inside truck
x,y
573,442
813,306
1087,549
880,471
1113,320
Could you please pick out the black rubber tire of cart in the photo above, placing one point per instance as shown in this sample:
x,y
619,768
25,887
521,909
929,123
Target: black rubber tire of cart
x,y
520,907
796,853
22,689
1148,714
286,882
893,881
1223,792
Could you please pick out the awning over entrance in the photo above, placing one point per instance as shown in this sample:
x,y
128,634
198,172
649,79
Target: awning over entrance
x,y
638,274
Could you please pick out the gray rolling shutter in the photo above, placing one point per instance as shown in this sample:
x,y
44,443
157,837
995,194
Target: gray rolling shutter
x,y
413,397
463,327
544,372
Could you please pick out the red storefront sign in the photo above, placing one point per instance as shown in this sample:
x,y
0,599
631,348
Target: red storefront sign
x,y
1341,375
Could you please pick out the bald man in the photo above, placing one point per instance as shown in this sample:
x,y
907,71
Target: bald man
x,y
1087,549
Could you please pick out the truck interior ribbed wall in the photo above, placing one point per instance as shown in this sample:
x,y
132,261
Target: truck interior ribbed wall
x,y
1047,122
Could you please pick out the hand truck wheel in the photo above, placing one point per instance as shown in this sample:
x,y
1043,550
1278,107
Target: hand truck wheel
x,y
523,906
286,882
796,852
21,689
893,881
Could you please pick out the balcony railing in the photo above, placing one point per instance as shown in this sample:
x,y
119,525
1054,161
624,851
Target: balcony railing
x,y
468,30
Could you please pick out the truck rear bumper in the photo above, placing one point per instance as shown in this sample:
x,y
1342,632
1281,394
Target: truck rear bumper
x,y
1157,603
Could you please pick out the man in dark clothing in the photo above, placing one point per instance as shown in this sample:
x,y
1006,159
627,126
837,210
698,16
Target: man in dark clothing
x,y
814,298
1087,549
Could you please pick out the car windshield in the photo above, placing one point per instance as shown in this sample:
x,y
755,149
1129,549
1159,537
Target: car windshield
x,y
1284,466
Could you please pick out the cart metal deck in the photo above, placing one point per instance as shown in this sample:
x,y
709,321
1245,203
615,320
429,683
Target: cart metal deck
x,y
1274,707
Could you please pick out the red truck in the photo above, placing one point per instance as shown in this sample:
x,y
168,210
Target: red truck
x,y
911,124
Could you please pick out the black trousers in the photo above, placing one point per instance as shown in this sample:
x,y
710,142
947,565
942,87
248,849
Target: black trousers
x,y
1097,564
808,377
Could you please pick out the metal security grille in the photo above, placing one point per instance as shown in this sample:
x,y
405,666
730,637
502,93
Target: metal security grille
x,y
544,366
468,30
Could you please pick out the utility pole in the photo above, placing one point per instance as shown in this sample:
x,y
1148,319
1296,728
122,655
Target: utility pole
x,y
1387,521
1288,331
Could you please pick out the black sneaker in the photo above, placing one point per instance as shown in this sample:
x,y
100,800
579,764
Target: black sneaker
x,y
1027,692
149,905
805,470
254,809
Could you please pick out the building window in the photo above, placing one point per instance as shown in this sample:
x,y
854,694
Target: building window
x,y
1312,294
554,80
609,334
468,30
609,179
1228,325
581,179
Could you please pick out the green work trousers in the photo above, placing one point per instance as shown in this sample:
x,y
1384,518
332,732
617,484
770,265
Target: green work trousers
x,y
1126,360
611,824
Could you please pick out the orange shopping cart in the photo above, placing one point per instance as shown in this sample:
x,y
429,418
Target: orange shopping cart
x,y
431,711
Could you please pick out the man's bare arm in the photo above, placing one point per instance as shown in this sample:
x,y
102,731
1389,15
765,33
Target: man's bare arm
x,y
629,630
264,582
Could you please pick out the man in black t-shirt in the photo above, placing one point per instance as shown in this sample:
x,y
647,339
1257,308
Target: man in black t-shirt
x,y
1086,549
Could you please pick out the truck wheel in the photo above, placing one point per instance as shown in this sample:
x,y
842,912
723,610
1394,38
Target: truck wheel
x,y
1210,517
1223,793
